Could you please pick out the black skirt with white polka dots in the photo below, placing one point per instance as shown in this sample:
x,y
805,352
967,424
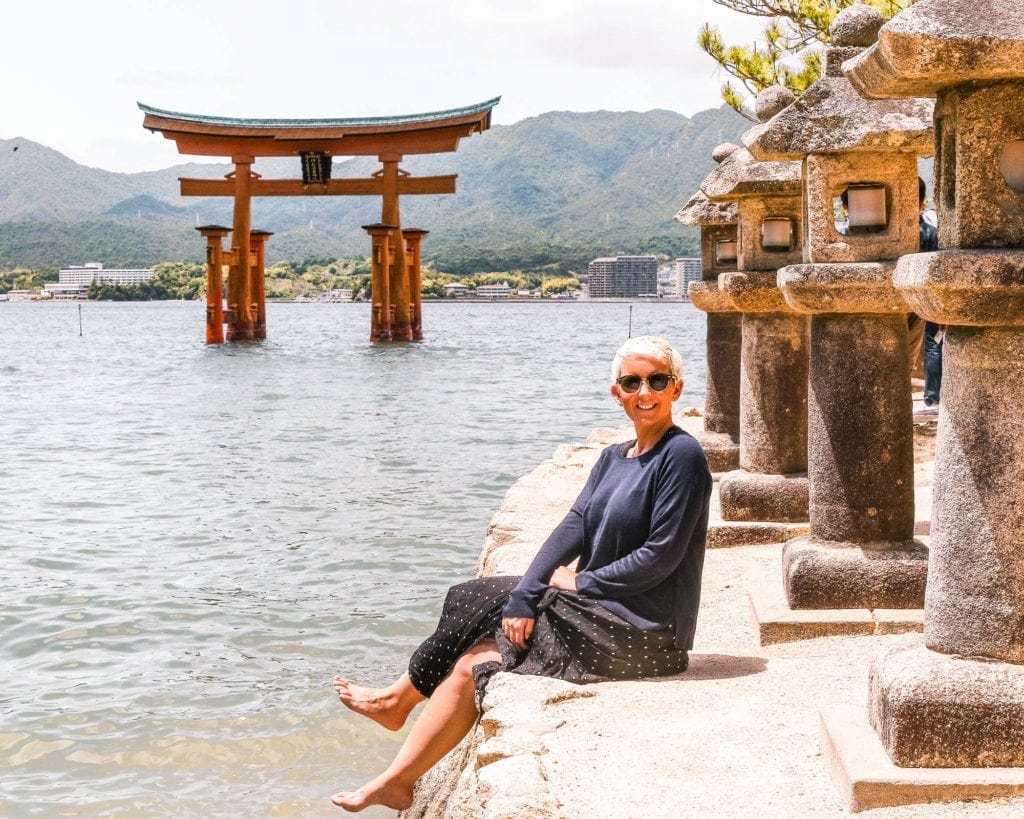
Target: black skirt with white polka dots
x,y
574,639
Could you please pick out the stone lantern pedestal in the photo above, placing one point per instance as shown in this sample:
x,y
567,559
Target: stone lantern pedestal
x,y
950,713
771,483
958,701
717,223
720,438
861,552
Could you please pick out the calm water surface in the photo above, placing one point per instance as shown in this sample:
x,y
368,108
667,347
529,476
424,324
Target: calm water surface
x,y
194,539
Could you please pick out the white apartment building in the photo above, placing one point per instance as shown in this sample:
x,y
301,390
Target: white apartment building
x,y
494,291
622,276
84,275
688,270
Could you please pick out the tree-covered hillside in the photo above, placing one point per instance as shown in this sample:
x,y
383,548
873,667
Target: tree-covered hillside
x,y
552,191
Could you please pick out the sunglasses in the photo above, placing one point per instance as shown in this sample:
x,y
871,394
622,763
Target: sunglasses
x,y
656,381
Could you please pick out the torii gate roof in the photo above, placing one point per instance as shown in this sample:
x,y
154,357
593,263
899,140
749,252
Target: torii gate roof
x,y
435,132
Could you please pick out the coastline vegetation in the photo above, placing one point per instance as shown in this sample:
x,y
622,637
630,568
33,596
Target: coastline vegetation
x,y
290,279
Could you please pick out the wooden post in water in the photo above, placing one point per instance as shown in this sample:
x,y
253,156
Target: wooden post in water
x,y
413,238
214,234
398,275
380,291
258,282
240,319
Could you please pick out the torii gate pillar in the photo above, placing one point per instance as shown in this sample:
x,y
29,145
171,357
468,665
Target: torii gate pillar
x,y
413,238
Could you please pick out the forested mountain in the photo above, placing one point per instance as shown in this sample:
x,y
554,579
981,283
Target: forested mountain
x,y
558,189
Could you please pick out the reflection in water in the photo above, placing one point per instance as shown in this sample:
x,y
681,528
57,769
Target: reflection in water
x,y
196,538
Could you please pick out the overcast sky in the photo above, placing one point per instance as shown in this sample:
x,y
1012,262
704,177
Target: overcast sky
x,y
74,69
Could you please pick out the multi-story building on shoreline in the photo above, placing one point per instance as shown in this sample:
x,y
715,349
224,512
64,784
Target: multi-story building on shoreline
x,y
609,277
494,291
688,270
84,275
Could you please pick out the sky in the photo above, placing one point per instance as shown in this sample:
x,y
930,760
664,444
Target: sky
x,y
74,70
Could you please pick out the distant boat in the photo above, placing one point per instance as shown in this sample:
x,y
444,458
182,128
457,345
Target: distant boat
x,y
303,298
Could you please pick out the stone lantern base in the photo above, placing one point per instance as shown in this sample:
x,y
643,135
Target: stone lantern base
x,y
935,710
721,449
749,496
821,574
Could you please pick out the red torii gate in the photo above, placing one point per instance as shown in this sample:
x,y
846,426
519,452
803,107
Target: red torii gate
x,y
395,280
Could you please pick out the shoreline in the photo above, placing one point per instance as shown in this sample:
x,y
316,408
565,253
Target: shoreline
x,y
736,735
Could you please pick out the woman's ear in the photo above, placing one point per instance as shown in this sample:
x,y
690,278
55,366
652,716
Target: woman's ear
x,y
614,390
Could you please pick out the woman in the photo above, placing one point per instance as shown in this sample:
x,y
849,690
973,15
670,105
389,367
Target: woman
x,y
637,530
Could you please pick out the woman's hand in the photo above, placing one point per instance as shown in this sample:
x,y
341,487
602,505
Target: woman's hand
x,y
563,578
518,630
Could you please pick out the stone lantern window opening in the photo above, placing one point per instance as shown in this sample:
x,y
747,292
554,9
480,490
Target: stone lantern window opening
x,y
725,251
867,208
1011,164
777,234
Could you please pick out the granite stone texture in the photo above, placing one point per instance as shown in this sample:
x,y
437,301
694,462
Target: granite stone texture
x,y
860,447
827,176
773,393
854,287
940,711
721,449
710,236
975,205
753,291
936,44
700,211
709,297
821,574
740,175
856,26
964,287
975,600
752,496
772,100
831,117
722,390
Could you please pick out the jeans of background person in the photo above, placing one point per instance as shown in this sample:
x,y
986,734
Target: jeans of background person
x,y
932,364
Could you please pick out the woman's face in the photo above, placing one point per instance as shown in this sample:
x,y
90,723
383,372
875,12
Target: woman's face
x,y
645,407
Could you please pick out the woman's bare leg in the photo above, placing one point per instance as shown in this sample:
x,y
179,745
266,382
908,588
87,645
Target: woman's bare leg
x,y
446,719
388,706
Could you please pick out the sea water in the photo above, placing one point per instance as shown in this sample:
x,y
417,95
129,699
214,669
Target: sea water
x,y
194,538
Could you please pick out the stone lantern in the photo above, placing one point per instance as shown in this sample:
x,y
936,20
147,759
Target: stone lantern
x,y
771,484
958,700
861,552
717,223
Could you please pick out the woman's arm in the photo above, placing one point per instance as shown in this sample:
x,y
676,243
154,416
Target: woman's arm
x,y
561,547
680,503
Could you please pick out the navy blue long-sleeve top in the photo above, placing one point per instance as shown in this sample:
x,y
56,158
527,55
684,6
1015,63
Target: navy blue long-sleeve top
x,y
638,528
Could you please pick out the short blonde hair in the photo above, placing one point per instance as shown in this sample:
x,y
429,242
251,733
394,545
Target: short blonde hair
x,y
653,346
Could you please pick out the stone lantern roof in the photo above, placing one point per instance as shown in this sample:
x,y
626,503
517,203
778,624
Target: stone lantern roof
x,y
831,117
740,175
701,212
939,43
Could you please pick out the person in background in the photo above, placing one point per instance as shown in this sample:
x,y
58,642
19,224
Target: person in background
x,y
628,610
930,334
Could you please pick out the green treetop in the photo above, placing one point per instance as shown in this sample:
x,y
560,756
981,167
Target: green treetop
x,y
787,54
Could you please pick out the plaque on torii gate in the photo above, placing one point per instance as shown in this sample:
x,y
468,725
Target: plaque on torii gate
x,y
395,253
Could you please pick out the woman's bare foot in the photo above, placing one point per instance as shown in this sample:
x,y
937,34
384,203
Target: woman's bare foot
x,y
382,705
376,792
